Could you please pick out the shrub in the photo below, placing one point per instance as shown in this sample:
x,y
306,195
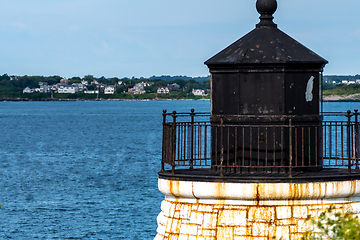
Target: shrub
x,y
333,225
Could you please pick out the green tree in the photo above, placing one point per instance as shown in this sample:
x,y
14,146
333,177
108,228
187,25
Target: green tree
x,y
103,80
332,224
26,81
74,80
180,82
4,77
114,80
89,78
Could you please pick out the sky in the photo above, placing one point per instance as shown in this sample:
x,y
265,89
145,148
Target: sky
x,y
142,38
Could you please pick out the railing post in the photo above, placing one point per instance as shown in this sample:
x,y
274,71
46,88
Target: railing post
x,y
192,114
173,142
222,143
348,140
163,142
356,113
290,148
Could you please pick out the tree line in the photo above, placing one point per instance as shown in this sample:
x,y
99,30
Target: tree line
x,y
340,89
11,87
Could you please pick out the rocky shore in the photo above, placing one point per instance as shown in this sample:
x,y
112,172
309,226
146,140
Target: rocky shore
x,y
342,98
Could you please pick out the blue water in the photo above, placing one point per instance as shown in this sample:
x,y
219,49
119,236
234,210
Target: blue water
x,y
82,170
340,106
85,170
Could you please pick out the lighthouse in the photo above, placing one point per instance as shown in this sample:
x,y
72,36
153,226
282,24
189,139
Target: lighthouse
x,y
266,156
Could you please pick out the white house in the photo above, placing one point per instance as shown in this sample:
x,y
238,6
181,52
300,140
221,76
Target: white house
x,y
79,87
138,88
66,89
91,91
44,87
109,89
27,90
94,82
163,90
198,92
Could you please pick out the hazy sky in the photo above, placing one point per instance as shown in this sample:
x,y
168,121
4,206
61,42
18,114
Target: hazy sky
x,y
141,38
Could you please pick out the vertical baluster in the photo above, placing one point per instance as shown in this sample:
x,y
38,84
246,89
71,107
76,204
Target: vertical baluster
x,y
222,144
173,142
348,140
356,138
290,148
163,142
192,114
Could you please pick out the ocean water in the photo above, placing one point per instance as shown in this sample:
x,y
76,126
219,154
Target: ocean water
x,y
85,170
82,170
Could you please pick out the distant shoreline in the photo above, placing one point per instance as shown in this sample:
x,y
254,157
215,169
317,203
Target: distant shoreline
x,y
92,100
342,98
331,98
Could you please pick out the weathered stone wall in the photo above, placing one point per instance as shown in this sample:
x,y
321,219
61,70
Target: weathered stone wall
x,y
194,210
180,220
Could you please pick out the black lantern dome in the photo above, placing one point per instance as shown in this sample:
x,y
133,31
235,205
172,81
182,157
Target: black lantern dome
x,y
266,78
266,44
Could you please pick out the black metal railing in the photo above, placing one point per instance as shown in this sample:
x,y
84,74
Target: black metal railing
x,y
283,145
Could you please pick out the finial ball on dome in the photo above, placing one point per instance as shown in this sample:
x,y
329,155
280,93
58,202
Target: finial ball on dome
x,y
266,6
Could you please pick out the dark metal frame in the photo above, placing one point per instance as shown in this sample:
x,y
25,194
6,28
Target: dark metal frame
x,y
187,144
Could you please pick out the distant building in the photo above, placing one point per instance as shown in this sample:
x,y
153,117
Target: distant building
x,y
66,89
138,88
345,82
27,90
101,87
64,81
44,87
94,82
198,92
174,86
79,87
163,90
109,89
84,82
91,91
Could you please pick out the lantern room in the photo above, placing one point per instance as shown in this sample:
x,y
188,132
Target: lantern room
x,y
266,77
